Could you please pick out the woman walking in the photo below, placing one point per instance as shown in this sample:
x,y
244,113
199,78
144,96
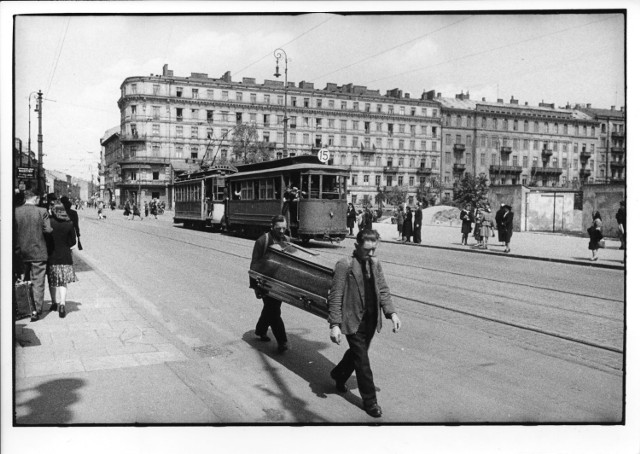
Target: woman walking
x,y
507,227
467,219
351,218
407,227
400,222
136,212
595,235
60,270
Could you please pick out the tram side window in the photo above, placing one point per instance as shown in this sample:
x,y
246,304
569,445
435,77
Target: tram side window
x,y
246,192
236,191
304,185
330,187
266,189
314,190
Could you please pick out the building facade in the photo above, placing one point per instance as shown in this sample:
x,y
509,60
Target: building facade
x,y
512,143
611,149
170,124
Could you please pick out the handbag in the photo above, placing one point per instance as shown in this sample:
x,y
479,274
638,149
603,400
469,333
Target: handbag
x,y
79,245
601,244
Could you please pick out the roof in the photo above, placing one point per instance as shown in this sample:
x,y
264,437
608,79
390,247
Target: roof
x,y
470,104
610,113
316,168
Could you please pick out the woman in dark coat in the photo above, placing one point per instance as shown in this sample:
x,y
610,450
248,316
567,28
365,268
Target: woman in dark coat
x,y
407,227
400,222
467,219
595,235
60,270
351,218
507,227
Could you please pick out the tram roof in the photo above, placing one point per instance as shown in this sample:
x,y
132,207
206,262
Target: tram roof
x,y
218,169
316,168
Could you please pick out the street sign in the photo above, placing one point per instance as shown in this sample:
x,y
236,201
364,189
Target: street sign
x,y
26,172
323,155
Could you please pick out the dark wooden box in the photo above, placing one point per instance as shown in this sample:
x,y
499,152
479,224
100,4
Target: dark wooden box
x,y
296,276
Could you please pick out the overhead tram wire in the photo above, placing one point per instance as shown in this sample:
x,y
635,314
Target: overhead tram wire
x,y
394,47
270,54
53,72
487,51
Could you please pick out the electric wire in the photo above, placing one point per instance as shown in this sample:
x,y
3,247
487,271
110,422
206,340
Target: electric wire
x,y
55,67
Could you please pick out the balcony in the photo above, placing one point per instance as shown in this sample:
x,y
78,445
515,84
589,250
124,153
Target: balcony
x,y
617,164
459,167
546,171
617,135
617,150
424,171
585,173
504,170
505,150
546,153
145,182
367,149
137,137
391,169
585,155
459,147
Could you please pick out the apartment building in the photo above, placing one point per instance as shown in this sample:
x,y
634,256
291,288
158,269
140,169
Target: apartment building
x,y
170,124
513,143
611,149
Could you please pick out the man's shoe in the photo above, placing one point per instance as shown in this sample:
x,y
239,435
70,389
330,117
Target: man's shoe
x,y
374,411
34,316
283,347
54,307
341,386
263,337
62,312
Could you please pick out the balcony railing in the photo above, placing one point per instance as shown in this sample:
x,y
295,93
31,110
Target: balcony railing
x,y
585,172
145,160
505,169
391,169
137,137
617,150
617,164
144,182
546,170
459,167
505,150
459,147
424,171
617,135
585,155
546,152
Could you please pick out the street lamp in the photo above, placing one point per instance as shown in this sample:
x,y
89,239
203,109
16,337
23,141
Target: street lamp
x,y
280,53
29,140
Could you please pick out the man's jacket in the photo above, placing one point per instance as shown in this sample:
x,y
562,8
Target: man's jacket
x,y
346,299
31,223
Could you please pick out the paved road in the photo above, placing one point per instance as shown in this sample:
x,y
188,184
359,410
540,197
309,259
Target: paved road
x,y
484,339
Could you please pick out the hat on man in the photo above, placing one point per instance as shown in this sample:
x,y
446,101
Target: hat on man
x,y
507,207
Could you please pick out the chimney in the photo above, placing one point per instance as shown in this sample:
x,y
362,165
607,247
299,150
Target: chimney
x,y
500,100
568,106
166,71
526,103
513,101
621,108
484,99
589,106
428,95
613,107
226,77
439,95
407,95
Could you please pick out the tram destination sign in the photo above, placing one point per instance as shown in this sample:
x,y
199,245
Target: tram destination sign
x,y
26,172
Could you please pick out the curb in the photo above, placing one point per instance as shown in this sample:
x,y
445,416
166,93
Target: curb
x,y
519,256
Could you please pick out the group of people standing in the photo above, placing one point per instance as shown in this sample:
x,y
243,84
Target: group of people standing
x,y
131,209
485,225
44,236
409,224
362,218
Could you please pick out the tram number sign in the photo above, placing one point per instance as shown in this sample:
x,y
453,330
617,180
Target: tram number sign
x,y
323,155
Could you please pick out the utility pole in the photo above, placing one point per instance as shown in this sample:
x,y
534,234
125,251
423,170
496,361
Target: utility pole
x,y
40,188
280,53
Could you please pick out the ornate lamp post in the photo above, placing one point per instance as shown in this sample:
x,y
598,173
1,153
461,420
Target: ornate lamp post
x,y
280,53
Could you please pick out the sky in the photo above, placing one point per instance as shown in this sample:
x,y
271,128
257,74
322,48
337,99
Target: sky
x,y
80,61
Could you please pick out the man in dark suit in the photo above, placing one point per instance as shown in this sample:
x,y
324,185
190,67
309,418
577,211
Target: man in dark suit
x,y
417,224
359,296
507,226
271,310
31,223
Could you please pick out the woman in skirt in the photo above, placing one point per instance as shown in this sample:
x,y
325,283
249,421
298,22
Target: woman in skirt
x,y
595,235
60,270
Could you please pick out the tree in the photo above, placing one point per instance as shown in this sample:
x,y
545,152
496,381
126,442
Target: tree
x,y
380,198
246,146
429,191
396,195
470,190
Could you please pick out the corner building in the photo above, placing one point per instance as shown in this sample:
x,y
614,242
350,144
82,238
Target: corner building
x,y
170,124
512,143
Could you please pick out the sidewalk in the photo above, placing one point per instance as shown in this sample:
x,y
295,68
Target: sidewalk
x,y
536,246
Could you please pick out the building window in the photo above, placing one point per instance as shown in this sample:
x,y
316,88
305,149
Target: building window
x,y
494,159
514,161
209,93
447,157
354,141
401,144
155,150
400,180
194,132
194,93
267,98
379,108
178,131
447,139
483,159
178,114
194,152
525,161
178,151
305,139
156,129
179,92
355,125
354,180
343,125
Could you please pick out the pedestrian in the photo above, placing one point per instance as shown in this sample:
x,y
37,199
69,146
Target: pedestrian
x,y
407,226
621,218
417,225
100,205
146,209
400,222
127,209
60,270
595,235
367,219
271,309
507,223
73,215
477,230
487,226
31,224
499,222
136,212
153,208
351,218
360,220
358,298
466,217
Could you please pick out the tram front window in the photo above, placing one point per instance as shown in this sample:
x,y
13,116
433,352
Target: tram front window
x,y
314,190
330,187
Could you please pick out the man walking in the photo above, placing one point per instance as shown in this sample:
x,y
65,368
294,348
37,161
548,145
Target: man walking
x,y
417,225
621,218
359,296
31,223
271,314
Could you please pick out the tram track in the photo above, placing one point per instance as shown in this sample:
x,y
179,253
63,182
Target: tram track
x,y
500,321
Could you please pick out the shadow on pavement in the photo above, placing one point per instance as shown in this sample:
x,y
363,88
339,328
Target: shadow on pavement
x,y
52,402
26,337
80,265
304,359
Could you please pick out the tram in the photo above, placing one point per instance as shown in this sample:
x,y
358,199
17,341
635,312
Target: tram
x,y
200,197
257,193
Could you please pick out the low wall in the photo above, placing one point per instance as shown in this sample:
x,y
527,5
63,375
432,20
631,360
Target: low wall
x,y
605,199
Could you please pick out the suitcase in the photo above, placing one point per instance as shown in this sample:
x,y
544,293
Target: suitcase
x,y
23,299
296,276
